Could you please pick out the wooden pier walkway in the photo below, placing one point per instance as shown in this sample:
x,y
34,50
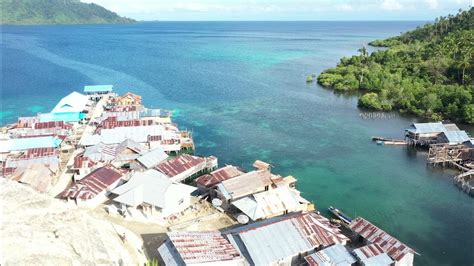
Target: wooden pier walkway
x,y
389,141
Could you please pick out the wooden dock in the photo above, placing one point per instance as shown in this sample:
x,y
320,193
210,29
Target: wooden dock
x,y
389,141
465,182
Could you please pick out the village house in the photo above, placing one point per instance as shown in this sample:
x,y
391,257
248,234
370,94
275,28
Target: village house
x,y
121,155
59,129
287,239
335,255
128,99
19,144
152,158
209,181
96,92
94,188
48,156
372,254
71,108
165,136
83,166
278,201
199,248
368,233
453,137
244,185
425,134
154,194
185,167
39,176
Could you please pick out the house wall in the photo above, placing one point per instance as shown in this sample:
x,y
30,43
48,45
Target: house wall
x,y
100,198
175,203
407,260
240,262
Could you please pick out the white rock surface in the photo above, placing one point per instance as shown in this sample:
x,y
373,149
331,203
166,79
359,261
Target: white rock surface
x,y
39,230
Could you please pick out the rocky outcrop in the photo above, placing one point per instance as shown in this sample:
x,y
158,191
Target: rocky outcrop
x,y
37,229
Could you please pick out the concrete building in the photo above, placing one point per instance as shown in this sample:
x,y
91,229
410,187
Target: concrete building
x,y
153,193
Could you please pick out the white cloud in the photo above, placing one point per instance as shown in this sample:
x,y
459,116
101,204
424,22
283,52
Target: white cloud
x,y
391,5
345,7
432,4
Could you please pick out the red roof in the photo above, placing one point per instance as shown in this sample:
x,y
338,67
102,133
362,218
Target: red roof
x,y
94,183
201,247
219,175
52,124
123,108
179,164
40,152
392,246
112,122
371,250
82,162
318,229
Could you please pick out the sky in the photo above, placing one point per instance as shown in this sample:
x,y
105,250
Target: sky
x,y
225,10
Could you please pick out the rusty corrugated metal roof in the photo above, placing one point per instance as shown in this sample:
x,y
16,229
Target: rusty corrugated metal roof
x,y
94,183
203,247
179,164
273,240
392,246
219,175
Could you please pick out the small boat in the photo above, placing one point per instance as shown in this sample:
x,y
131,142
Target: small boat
x,y
342,216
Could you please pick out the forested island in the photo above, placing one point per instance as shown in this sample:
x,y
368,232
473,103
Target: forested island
x,y
428,71
31,12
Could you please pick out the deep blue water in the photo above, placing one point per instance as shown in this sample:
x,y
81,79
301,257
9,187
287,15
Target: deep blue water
x,y
240,86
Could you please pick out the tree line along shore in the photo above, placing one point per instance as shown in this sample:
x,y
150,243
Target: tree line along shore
x,y
428,71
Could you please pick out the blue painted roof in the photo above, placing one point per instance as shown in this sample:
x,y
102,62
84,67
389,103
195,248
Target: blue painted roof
x,y
31,143
421,128
333,255
456,136
98,88
66,117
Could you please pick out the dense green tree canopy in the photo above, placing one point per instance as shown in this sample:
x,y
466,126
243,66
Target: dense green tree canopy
x,y
56,12
428,71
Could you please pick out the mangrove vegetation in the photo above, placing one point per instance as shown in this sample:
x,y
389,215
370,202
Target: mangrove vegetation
x,y
428,71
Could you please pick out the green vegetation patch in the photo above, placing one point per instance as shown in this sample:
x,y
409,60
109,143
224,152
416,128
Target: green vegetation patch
x,y
428,71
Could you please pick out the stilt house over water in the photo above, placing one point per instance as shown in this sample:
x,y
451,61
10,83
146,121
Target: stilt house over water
x,y
425,134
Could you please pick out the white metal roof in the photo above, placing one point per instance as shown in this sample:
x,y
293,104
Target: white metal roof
x,y
422,128
336,255
153,157
268,203
150,187
246,184
455,137
373,255
74,102
272,240
138,134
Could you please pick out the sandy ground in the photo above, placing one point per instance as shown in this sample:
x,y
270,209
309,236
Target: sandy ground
x,y
201,217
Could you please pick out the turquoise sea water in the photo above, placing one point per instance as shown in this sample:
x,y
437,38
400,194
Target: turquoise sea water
x,y
240,86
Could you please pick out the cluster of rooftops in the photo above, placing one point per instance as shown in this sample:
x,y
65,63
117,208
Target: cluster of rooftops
x,y
438,133
115,151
